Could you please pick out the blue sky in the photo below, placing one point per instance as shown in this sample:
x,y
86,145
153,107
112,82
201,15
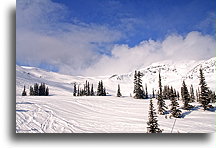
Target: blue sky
x,y
145,18
79,37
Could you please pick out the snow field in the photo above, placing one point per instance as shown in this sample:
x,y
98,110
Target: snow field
x,y
97,114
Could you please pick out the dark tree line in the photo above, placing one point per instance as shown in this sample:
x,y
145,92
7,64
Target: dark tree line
x,y
88,90
37,90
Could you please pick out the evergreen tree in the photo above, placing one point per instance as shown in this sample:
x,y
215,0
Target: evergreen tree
x,y
205,100
161,103
104,92
174,105
175,92
92,90
102,89
198,96
88,89
212,96
78,91
42,89
81,92
24,92
152,123
146,92
153,94
178,96
166,92
118,92
47,91
99,89
138,91
36,91
192,97
135,83
75,90
31,93
185,96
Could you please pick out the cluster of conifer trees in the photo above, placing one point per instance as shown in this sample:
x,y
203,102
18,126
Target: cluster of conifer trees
x,y
87,91
205,97
37,90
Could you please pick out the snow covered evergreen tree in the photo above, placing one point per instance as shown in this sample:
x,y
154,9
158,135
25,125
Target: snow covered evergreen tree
x,y
152,123
24,92
204,99
161,103
185,96
175,112
118,91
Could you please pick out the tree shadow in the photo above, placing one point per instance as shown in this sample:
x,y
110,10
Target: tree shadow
x,y
190,111
21,110
24,103
213,109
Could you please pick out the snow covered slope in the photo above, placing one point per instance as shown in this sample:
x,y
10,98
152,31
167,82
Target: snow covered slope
x,y
173,73
96,114
61,112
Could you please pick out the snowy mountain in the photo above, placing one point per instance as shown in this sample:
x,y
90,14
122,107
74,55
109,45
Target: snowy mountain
x,y
172,73
61,112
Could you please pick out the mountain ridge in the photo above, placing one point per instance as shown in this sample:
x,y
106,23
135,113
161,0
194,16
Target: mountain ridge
x,y
172,73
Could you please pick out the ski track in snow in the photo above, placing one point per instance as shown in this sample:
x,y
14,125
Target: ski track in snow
x,y
62,113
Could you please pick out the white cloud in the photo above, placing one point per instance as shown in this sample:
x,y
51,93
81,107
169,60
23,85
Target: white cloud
x,y
43,38
73,47
194,46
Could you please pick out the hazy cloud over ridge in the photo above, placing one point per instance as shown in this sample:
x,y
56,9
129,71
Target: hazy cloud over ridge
x,y
194,46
